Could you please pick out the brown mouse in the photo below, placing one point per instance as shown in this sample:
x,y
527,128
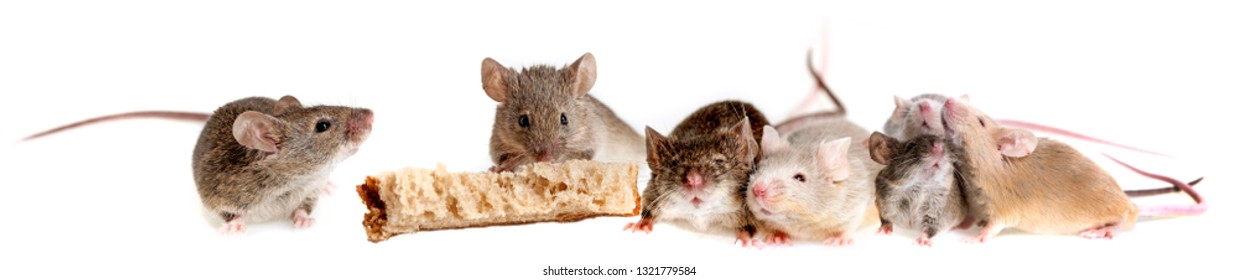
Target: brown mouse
x,y
258,158
700,171
1040,185
547,114
918,188
815,184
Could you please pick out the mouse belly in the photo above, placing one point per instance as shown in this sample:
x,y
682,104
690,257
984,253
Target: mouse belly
x,y
921,208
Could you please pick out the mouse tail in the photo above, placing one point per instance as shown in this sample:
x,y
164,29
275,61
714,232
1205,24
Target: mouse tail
x,y
801,110
1160,191
1072,134
1168,210
188,116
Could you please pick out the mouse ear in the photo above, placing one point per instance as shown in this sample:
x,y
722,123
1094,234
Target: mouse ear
x,y
585,72
654,143
748,147
832,159
1016,142
771,141
494,79
257,131
286,104
881,147
901,105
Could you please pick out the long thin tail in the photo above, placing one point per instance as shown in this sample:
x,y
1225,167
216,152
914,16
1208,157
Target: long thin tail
x,y
1160,191
1072,134
189,116
1165,210
840,111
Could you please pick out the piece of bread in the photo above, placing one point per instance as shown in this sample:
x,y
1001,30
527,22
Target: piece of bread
x,y
416,199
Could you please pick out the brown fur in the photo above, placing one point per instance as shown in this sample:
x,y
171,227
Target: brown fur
x,y
234,180
708,141
543,94
1053,190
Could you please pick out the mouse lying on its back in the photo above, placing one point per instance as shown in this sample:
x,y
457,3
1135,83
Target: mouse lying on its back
x,y
546,114
700,170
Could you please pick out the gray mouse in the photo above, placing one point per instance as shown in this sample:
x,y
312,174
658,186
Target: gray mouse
x,y
815,184
258,158
700,171
918,188
547,114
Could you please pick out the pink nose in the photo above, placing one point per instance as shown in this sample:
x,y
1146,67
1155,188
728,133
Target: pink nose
x,y
545,156
760,190
695,180
925,107
937,149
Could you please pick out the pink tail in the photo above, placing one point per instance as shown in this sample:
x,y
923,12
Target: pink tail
x,y
1072,134
189,116
1172,210
1154,211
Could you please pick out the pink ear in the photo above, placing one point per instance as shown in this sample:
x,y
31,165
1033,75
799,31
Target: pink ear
x,y
494,79
1016,142
832,159
771,141
255,130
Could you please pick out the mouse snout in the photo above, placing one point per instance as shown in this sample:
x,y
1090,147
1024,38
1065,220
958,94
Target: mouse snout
x,y
360,124
760,190
937,148
694,181
546,151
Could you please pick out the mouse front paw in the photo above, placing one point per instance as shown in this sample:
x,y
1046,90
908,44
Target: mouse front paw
x,y
235,226
778,238
329,188
645,225
840,239
744,239
886,229
924,240
302,219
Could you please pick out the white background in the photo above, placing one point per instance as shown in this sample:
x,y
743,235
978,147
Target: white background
x,y
118,199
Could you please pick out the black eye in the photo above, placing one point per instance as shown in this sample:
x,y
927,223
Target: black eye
x,y
524,120
982,124
719,162
799,177
322,126
563,118
674,163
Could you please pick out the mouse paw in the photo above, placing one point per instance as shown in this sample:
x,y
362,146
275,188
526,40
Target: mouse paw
x,y
1106,232
886,229
329,188
924,240
302,219
839,240
645,225
236,226
744,239
778,238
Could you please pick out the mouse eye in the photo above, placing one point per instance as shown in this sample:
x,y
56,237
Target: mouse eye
x,y
799,177
674,163
322,126
982,124
524,120
563,118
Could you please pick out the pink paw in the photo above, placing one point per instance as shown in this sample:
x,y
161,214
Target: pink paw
x,y
1098,233
978,239
301,219
839,241
329,188
924,240
644,225
885,230
236,226
745,240
778,238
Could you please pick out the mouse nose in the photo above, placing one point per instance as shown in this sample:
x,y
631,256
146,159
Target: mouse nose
x,y
937,148
694,180
760,190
